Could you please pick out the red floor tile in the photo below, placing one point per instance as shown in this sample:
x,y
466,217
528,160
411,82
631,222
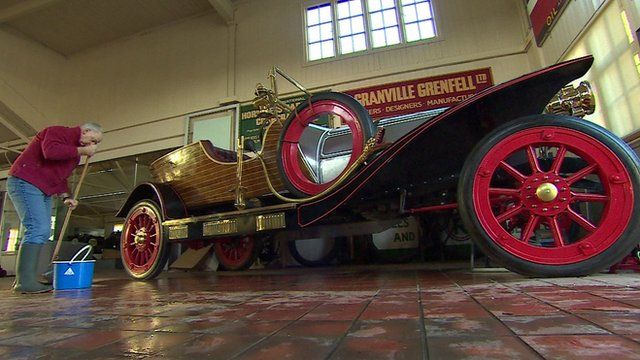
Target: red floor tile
x,y
618,323
287,347
597,305
518,307
41,337
495,348
467,309
388,329
5,351
277,314
584,347
9,332
458,326
306,328
391,311
250,327
141,323
550,325
373,348
335,312
92,340
230,327
222,346
30,353
399,312
232,313
148,343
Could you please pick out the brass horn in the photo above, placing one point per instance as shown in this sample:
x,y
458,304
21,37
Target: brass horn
x,y
574,101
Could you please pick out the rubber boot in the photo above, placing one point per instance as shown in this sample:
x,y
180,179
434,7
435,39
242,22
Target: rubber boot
x,y
26,267
46,277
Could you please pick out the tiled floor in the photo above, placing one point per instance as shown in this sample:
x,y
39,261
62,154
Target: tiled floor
x,y
383,312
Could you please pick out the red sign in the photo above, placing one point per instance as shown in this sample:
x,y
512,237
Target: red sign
x,y
543,15
393,99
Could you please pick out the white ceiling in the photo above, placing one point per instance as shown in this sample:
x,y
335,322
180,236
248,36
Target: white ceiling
x,y
72,26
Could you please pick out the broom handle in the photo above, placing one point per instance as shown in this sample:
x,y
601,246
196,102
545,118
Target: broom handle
x,y
76,192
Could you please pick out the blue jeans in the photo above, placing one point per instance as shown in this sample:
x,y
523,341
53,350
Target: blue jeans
x,y
34,209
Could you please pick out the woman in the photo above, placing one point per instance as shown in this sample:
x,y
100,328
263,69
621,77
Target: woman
x,y
39,173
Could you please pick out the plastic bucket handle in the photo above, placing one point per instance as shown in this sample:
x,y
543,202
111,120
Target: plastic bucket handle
x,y
88,248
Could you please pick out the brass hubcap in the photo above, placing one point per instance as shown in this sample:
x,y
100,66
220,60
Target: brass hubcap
x,y
140,237
547,192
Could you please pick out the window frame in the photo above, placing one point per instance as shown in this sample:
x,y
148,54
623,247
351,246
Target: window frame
x,y
433,19
367,23
399,24
338,47
335,38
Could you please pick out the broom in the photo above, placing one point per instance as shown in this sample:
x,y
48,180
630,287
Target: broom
x,y
48,276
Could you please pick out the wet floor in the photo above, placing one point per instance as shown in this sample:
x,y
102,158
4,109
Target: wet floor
x,y
383,312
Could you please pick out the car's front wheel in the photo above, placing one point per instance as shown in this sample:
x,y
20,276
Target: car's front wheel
x,y
143,248
551,195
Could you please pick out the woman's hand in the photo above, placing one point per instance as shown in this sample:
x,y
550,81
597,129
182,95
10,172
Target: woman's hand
x,y
71,203
88,150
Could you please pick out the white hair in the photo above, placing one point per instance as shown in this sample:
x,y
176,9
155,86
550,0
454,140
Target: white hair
x,y
92,126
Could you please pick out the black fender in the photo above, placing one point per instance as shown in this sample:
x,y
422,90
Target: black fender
x,y
171,205
438,148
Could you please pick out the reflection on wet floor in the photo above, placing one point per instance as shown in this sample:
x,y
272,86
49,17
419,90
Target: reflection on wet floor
x,y
384,312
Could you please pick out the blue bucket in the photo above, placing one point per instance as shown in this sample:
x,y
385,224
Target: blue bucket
x,y
74,274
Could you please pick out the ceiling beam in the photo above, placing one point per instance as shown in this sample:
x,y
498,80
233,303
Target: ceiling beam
x,y
87,183
13,129
224,9
90,207
11,150
93,218
23,8
124,174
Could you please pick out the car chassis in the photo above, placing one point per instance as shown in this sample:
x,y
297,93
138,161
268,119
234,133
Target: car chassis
x,y
541,192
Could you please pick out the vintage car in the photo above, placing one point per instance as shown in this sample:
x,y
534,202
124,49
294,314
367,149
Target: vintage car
x,y
541,192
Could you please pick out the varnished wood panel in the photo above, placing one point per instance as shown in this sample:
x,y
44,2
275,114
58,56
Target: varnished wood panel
x,y
201,180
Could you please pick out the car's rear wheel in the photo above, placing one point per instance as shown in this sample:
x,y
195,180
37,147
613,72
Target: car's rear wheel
x,y
315,252
237,253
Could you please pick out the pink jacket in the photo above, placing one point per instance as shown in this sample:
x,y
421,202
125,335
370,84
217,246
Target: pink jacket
x,y
49,159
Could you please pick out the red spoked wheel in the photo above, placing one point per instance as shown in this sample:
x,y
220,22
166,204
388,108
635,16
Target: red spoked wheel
x,y
297,175
142,245
236,253
551,195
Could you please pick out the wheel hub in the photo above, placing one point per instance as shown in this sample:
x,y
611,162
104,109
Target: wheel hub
x,y
545,194
140,238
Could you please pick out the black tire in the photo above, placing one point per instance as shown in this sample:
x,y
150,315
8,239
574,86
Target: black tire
x,y
324,260
362,117
144,212
478,171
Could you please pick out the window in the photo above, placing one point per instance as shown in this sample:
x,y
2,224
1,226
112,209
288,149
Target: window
x,y
418,20
320,32
383,15
351,26
366,24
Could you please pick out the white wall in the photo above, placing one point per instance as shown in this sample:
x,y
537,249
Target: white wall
x,y
141,88
596,27
469,30
30,79
568,27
